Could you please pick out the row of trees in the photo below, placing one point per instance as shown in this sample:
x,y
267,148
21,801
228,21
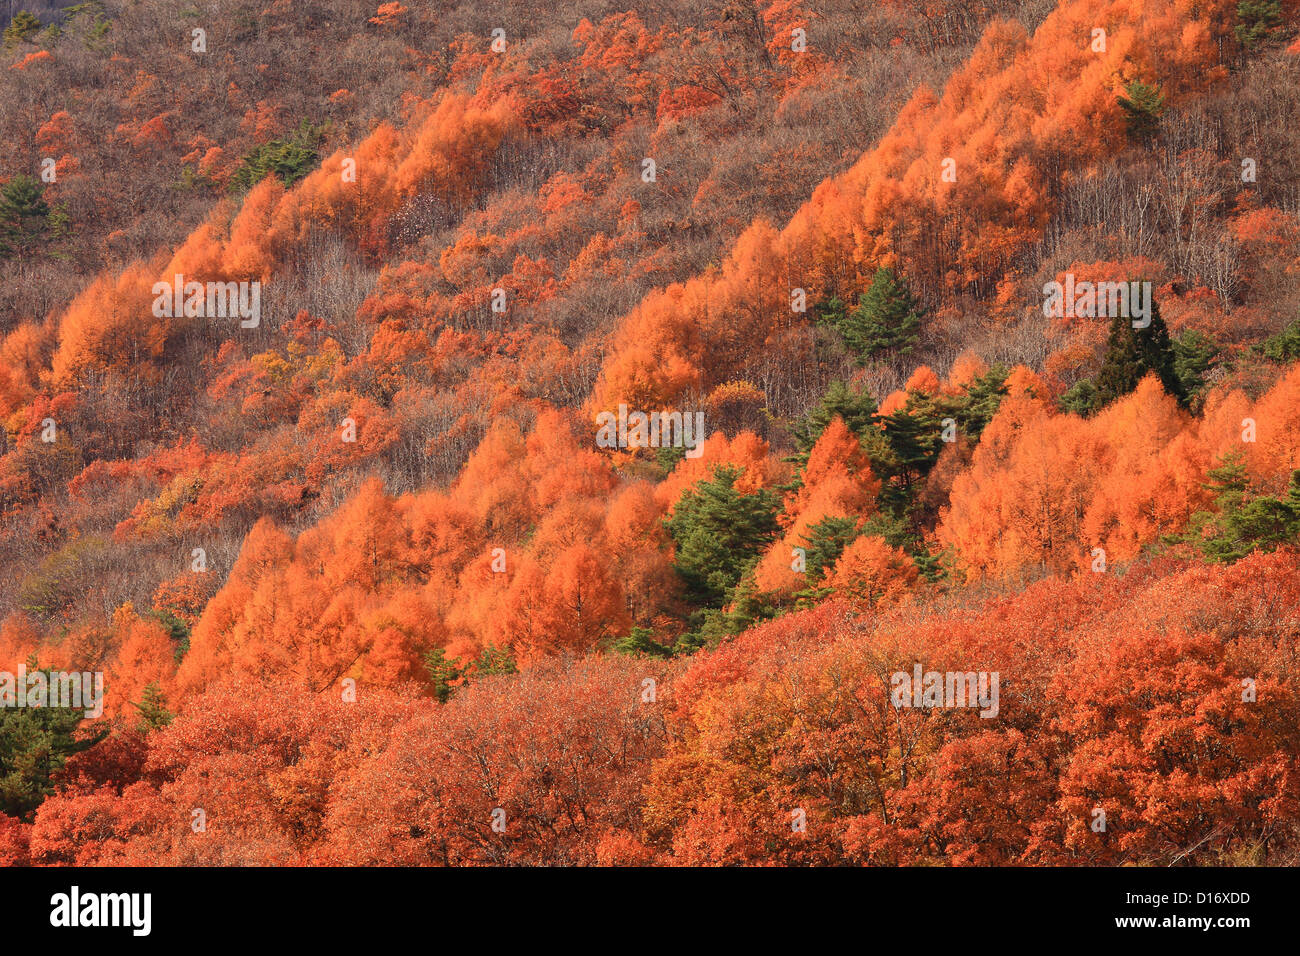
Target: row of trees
x,y
783,746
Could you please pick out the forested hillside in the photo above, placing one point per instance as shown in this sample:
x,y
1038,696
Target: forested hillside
x,y
988,317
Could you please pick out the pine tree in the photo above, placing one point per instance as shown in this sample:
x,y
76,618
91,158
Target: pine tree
x,y
640,642
443,673
748,605
915,435
21,29
24,216
288,159
494,660
1081,397
887,318
857,409
825,542
1143,105
981,402
1132,353
719,532
153,709
35,743
1243,522
1228,481
1257,20
1285,345
1194,355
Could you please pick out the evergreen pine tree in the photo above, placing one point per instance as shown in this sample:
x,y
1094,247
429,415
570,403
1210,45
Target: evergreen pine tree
x,y
825,542
857,409
21,29
981,402
1284,346
35,743
1132,353
719,532
443,674
1143,105
288,159
1256,20
1243,522
153,708
24,216
1194,355
494,660
640,642
887,318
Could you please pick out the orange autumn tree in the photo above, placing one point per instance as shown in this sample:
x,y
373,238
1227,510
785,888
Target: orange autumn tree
x,y
871,572
836,482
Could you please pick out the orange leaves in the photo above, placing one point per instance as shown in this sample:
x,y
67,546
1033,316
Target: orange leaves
x,y
18,640
152,134
445,154
1044,490
37,57
922,380
736,406
563,751
837,482
836,461
570,607
1170,715
492,485
248,253
521,554
185,595
365,544
1152,484
1098,708
146,655
613,759
870,572
966,368
758,467
14,836
388,14
22,355
103,328
692,337
1275,453
57,135
462,261
654,363
682,101
544,546
787,24
1021,504
259,758
450,150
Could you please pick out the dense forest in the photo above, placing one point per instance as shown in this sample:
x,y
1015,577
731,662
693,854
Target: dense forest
x,y
313,319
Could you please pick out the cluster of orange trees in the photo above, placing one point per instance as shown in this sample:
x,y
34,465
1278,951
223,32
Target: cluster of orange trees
x,y
1119,693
